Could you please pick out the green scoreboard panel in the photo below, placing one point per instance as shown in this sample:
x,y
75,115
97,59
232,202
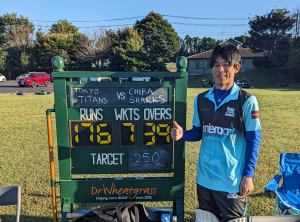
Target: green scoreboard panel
x,y
119,128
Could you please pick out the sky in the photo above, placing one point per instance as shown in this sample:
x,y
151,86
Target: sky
x,y
216,19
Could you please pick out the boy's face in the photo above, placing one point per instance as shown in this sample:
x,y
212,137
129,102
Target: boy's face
x,y
224,73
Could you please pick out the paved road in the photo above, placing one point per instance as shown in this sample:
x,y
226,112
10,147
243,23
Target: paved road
x,y
12,87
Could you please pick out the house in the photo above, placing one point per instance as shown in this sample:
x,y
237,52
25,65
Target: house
x,y
200,63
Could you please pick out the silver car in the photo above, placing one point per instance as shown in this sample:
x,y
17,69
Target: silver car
x,y
23,75
100,79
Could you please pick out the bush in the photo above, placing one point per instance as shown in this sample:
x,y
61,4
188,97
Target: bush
x,y
262,62
280,59
294,59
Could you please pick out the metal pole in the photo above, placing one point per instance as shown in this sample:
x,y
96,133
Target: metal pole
x,y
297,24
222,32
52,172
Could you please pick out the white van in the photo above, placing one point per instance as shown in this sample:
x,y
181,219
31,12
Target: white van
x,y
141,79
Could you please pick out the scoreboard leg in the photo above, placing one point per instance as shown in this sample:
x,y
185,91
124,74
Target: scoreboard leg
x,y
66,208
178,210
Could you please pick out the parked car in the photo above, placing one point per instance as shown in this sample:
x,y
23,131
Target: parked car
x,y
141,79
100,79
35,78
20,76
2,78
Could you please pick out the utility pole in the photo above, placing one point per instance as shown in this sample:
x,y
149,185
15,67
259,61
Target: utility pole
x,y
222,33
297,24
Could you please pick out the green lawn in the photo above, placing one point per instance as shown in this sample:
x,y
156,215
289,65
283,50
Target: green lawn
x,y
261,78
25,158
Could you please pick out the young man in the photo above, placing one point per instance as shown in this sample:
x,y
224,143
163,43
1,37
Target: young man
x,y
227,120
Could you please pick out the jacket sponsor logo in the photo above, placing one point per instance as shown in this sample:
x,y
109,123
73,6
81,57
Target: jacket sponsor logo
x,y
216,129
232,196
255,114
230,112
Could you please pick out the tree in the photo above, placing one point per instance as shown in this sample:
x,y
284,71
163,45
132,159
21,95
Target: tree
x,y
20,47
297,23
245,40
129,54
262,62
281,52
209,43
294,59
63,27
197,45
6,63
50,45
270,32
160,38
16,42
95,46
8,21
181,51
3,60
188,46
191,45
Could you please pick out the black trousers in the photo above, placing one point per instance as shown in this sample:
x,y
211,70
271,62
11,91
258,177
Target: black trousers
x,y
226,206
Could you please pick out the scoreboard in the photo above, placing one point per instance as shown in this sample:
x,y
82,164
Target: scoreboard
x,y
119,128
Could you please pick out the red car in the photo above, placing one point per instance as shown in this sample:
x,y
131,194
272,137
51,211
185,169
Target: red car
x,y
35,78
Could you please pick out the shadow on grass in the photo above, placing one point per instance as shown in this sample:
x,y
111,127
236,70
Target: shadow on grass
x,y
12,218
41,195
270,195
261,194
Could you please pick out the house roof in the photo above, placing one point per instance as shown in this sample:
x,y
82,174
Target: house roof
x,y
232,42
245,53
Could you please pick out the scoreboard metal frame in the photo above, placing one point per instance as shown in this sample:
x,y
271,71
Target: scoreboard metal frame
x,y
107,135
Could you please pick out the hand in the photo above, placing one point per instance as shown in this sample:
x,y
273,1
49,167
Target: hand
x,y
246,186
176,132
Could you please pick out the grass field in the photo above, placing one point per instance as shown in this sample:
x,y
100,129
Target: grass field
x,y
25,158
260,78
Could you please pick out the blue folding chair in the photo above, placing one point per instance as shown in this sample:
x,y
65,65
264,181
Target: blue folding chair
x,y
288,194
11,196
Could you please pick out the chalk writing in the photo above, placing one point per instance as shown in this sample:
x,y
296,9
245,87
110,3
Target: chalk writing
x,y
93,96
148,159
